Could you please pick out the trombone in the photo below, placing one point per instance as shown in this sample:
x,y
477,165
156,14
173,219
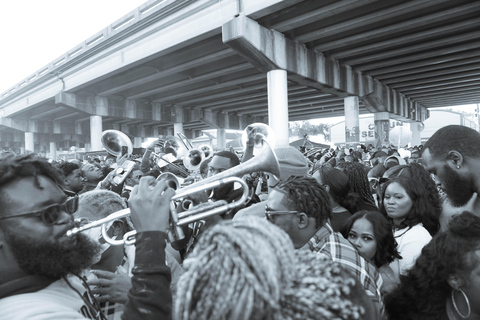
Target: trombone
x,y
265,160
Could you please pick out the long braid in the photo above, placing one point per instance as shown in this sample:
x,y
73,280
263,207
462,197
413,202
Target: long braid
x,y
359,181
243,263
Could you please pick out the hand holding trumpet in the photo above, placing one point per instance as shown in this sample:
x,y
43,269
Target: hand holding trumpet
x,y
150,205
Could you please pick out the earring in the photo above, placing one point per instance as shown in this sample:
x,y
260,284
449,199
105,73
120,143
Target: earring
x,y
466,300
458,167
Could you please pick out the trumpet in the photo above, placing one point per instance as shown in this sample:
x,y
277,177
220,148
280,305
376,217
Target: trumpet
x,y
264,161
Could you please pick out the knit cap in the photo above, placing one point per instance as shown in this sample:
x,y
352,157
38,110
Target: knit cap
x,y
291,162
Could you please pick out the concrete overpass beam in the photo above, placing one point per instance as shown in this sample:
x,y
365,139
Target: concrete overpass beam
x,y
29,142
278,105
352,124
95,132
221,139
382,129
270,50
416,129
53,150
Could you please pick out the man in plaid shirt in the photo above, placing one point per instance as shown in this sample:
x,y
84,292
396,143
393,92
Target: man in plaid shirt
x,y
301,207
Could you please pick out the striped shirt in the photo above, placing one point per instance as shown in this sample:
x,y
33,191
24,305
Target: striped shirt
x,y
333,244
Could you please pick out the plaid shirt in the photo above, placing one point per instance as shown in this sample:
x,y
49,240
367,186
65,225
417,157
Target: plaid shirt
x,y
333,244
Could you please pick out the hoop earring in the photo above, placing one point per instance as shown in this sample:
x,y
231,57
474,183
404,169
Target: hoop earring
x,y
466,300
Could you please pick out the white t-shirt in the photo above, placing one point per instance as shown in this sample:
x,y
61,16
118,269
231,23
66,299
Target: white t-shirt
x,y
56,302
410,242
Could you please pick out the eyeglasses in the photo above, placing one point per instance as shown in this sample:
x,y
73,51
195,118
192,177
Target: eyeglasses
x,y
52,213
269,212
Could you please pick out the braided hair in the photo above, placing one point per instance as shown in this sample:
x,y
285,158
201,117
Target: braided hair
x,y
248,269
236,271
359,181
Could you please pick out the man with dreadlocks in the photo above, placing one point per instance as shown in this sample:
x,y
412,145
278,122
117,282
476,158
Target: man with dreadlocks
x,y
301,207
40,265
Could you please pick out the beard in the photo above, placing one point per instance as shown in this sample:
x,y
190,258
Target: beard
x,y
459,190
52,260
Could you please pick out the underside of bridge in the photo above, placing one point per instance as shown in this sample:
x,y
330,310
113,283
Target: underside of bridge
x,y
204,64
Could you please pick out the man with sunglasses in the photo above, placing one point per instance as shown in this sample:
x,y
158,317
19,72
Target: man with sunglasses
x,y
291,163
40,266
301,207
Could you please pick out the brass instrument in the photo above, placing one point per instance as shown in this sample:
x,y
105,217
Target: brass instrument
x,y
262,133
207,150
186,142
264,161
193,159
312,151
115,142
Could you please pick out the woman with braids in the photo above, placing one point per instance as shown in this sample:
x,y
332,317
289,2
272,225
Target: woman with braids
x,y
357,175
406,205
248,269
343,202
371,234
445,280
422,176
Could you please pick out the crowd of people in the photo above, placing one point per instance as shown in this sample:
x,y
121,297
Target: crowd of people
x,y
356,233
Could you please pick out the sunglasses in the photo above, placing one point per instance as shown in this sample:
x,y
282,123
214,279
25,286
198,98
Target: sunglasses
x,y
269,213
52,213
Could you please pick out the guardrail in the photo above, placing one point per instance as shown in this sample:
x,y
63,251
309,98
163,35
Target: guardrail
x,y
131,18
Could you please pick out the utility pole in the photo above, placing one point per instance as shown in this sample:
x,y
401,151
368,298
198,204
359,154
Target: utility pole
x,y
478,118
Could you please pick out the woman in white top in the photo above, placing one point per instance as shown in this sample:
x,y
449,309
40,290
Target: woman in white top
x,y
405,202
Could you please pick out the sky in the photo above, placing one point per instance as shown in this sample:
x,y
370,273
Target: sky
x,y
34,33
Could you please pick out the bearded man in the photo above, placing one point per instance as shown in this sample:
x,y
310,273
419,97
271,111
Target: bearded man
x,y
452,156
40,266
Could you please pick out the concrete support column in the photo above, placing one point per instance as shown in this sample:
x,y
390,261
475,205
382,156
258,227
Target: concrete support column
x,y
96,132
53,150
137,142
221,139
352,123
278,105
29,142
382,129
88,147
178,128
416,128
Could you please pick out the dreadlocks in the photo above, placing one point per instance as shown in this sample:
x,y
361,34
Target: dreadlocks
x,y
304,194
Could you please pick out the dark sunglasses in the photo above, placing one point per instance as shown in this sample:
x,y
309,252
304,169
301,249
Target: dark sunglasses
x,y
269,213
52,213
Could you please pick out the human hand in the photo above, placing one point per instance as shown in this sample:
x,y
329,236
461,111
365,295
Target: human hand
x,y
110,286
109,181
159,143
251,133
150,205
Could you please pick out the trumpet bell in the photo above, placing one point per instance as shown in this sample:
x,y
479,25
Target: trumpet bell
x,y
262,132
174,146
193,159
171,180
115,141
